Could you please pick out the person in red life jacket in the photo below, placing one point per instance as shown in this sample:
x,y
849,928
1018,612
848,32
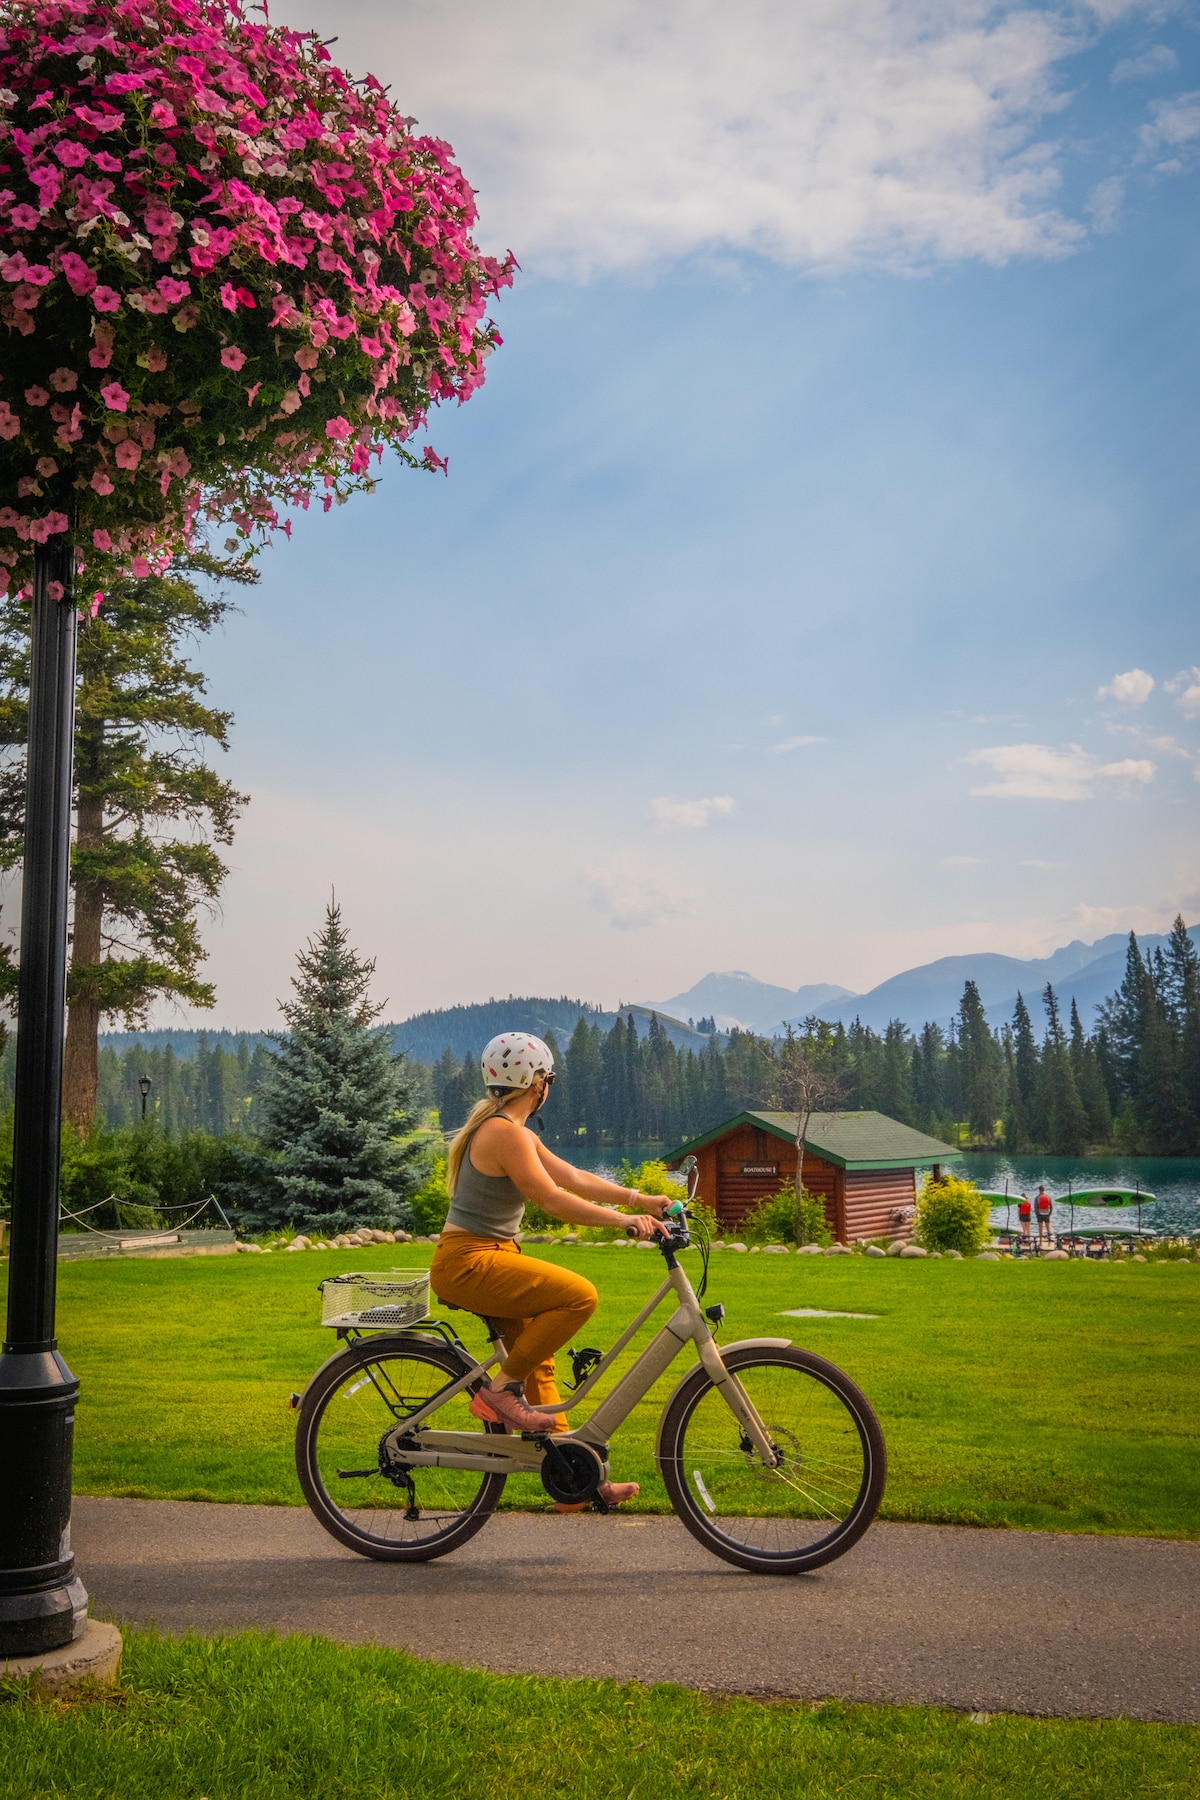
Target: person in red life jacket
x,y
1025,1214
1044,1206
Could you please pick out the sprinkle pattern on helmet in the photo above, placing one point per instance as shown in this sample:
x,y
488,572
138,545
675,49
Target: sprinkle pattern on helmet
x,y
514,1059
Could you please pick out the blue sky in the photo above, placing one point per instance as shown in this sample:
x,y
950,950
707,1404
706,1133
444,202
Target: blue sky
x,y
841,451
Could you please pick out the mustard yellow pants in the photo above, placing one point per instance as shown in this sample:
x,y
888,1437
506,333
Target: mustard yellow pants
x,y
536,1307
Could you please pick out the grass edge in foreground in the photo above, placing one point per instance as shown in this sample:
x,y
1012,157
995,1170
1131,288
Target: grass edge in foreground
x,y
301,1717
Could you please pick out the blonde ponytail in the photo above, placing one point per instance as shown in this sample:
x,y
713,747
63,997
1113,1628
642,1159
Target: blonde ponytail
x,y
490,1107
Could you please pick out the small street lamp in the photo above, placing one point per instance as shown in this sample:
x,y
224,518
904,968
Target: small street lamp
x,y
144,1086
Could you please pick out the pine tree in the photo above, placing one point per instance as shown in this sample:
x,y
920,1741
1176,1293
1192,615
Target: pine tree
x,y
1022,1080
335,1103
148,807
979,1060
1063,1122
1089,1081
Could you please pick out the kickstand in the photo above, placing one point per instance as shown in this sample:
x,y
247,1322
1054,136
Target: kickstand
x,y
600,1504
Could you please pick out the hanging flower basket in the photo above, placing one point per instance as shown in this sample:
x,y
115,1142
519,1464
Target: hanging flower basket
x,y
229,276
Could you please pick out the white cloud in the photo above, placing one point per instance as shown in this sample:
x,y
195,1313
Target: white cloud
x,y
1186,688
1173,129
692,815
797,743
1104,204
1042,772
628,133
1154,61
634,899
1133,688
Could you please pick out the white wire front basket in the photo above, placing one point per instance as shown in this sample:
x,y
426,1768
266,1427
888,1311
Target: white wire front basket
x,y
384,1302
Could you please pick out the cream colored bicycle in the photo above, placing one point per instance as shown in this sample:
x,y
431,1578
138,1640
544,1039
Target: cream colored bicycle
x,y
771,1456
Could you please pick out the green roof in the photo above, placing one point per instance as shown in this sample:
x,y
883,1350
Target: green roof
x,y
850,1140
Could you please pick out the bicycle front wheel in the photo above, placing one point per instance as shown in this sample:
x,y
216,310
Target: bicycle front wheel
x,y
361,1496
828,1477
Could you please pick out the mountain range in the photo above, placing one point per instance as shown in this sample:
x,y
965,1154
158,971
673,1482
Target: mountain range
x,y
1085,973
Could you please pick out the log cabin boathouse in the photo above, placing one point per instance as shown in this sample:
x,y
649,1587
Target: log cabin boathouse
x,y
863,1166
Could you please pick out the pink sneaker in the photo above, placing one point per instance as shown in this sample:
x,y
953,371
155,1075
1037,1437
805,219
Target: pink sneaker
x,y
504,1406
613,1493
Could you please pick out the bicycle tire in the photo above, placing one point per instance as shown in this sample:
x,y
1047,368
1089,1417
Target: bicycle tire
x,y
380,1529
832,1471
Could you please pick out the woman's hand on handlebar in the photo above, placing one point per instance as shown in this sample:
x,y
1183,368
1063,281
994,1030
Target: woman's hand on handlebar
x,y
642,1226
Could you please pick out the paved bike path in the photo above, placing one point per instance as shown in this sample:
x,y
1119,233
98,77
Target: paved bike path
x,y
993,1621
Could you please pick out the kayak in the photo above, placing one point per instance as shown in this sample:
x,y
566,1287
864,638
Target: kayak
x,y
1108,1197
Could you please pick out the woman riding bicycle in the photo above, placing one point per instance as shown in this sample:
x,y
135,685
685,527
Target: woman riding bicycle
x,y
495,1167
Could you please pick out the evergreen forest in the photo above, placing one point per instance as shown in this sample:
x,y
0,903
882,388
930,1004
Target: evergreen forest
x,y
1132,1083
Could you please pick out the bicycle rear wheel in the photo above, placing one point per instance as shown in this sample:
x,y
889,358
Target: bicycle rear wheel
x,y
827,1483
364,1499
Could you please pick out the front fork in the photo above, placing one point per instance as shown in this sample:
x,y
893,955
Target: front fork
x,y
737,1400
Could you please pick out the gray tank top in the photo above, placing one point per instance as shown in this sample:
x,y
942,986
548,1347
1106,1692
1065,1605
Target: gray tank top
x,y
491,1206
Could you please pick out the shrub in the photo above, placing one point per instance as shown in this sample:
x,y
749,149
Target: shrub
x,y
952,1215
779,1219
431,1202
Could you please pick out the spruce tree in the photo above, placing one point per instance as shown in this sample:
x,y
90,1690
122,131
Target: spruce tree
x,y
979,1058
335,1103
1089,1081
1063,1122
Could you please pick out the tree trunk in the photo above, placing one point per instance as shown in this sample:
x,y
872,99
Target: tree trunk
x,y
83,1012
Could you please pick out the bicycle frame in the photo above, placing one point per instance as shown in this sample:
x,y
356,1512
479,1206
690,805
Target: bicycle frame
x,y
515,1456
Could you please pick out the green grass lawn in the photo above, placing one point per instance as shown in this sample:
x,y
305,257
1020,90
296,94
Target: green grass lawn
x,y
246,1717
1058,1395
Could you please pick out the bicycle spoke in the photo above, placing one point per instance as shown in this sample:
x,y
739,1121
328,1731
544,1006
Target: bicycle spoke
x,y
819,1489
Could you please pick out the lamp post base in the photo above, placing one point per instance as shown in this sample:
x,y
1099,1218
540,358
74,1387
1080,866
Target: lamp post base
x,y
43,1604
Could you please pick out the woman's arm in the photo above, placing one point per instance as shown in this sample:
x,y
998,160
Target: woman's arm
x,y
516,1153
595,1187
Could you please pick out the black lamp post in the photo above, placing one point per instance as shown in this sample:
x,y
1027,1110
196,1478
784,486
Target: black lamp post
x,y
144,1086
43,1604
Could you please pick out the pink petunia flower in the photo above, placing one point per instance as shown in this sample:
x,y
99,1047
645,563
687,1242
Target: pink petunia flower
x,y
97,603
47,466
70,154
307,357
64,381
339,429
141,567
55,590
370,346
252,393
115,397
106,300
100,355
110,164
290,402
102,484
25,217
102,540
13,267
9,518
232,357
173,289
37,396
128,455
229,299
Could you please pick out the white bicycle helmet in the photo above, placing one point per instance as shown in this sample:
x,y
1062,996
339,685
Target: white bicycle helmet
x,y
514,1059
